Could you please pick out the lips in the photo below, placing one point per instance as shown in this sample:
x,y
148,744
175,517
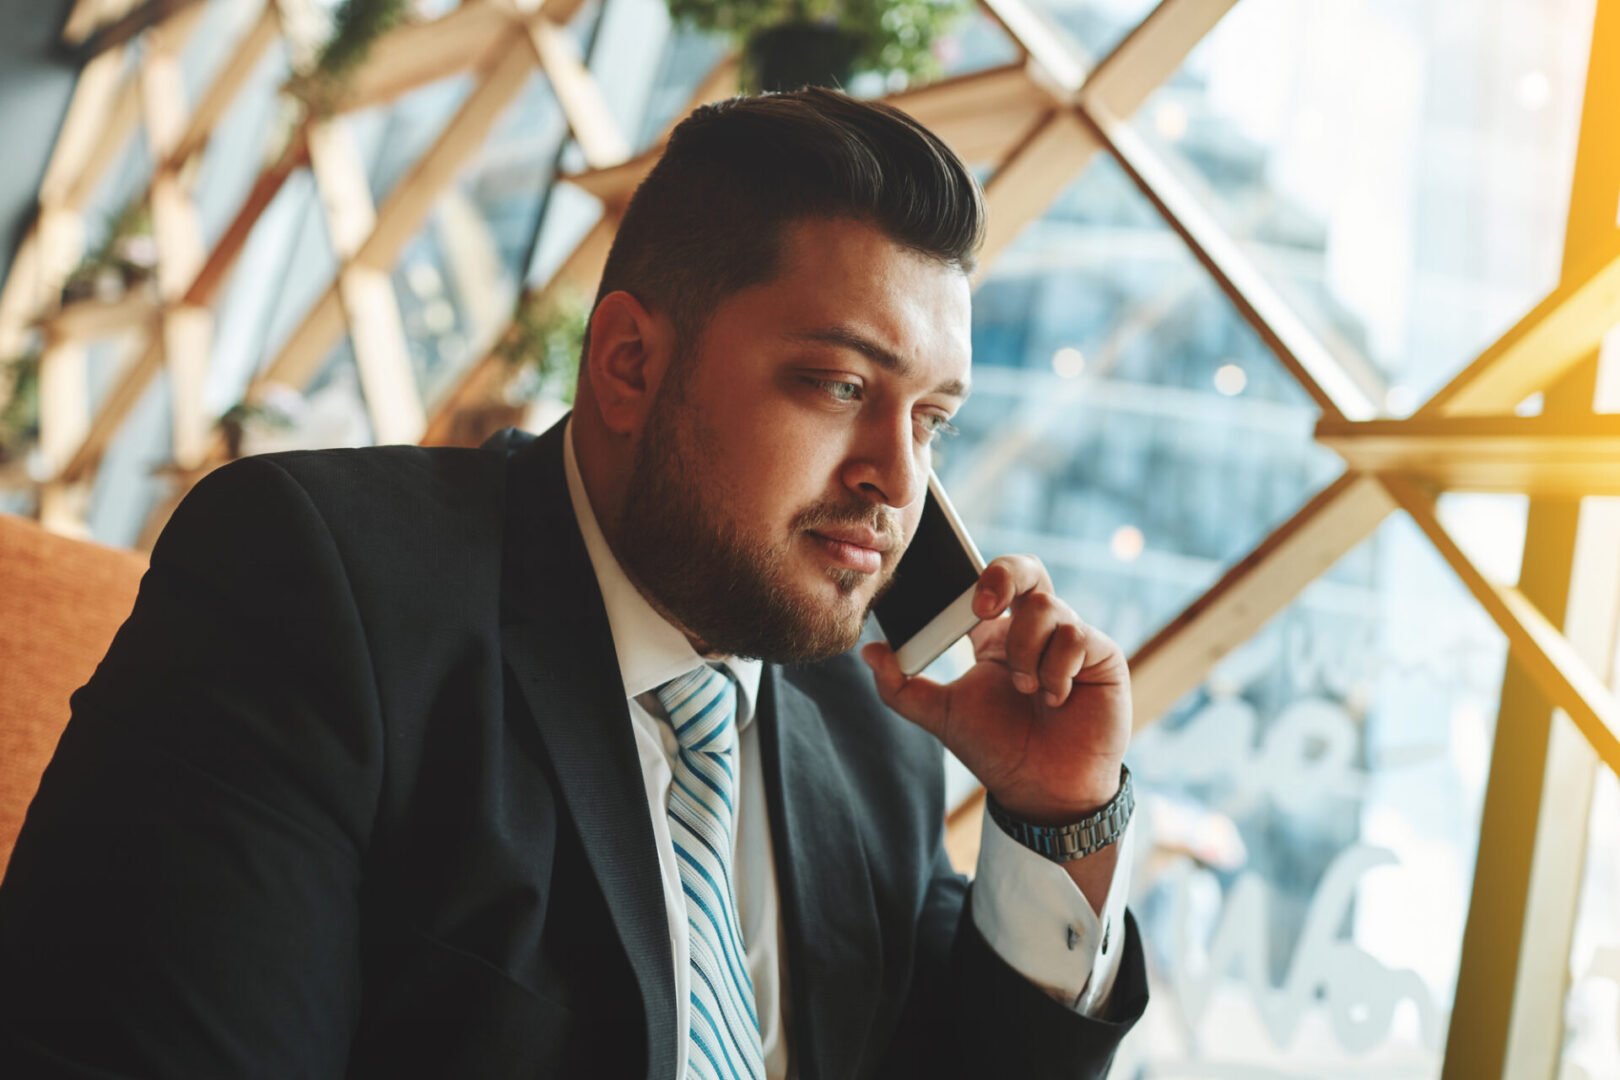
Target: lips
x,y
853,549
865,538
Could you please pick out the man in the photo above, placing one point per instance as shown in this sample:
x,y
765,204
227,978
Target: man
x,y
556,758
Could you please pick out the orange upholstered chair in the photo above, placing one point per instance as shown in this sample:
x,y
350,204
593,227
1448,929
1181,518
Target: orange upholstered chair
x,y
61,601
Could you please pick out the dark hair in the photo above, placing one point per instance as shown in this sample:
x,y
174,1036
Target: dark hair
x,y
708,221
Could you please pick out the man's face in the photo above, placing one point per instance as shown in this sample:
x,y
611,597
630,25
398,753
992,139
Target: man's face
x,y
782,472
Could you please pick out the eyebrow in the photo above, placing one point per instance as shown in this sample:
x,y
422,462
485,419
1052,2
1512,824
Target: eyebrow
x,y
894,364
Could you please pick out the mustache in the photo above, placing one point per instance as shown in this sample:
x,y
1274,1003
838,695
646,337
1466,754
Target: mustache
x,y
883,520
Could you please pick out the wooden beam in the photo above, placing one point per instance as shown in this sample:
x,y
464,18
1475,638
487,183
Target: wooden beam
x,y
199,292
1151,53
54,242
88,320
589,117
187,330
147,16
1177,658
121,120
484,380
1056,60
1538,646
233,74
981,116
1539,455
100,84
217,267
64,414
1034,173
87,15
1541,347
1339,389
340,181
381,355
418,53
121,123
403,214
486,377
126,391
405,210
132,381
1508,1016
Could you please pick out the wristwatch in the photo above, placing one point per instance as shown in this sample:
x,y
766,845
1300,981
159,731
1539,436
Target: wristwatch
x,y
1065,843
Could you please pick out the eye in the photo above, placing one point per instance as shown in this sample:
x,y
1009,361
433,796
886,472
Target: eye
x,y
838,389
935,425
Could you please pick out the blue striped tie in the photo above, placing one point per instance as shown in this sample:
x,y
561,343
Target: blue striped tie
x,y
723,1029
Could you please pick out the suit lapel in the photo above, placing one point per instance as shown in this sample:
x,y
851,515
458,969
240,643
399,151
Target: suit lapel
x,y
556,640
834,952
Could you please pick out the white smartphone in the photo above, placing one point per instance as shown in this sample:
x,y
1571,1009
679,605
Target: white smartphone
x,y
930,605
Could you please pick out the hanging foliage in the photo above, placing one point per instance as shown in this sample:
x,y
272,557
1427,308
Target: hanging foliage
x,y
126,259
19,416
885,36
545,340
356,24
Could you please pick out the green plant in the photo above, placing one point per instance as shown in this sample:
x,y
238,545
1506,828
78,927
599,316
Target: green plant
x,y
545,340
355,25
233,422
890,35
128,251
19,415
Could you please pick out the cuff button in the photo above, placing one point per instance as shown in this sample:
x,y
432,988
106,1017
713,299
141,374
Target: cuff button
x,y
1074,939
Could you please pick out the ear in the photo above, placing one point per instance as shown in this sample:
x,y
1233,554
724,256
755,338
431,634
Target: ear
x,y
628,356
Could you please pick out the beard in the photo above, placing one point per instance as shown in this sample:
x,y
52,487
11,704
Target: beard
x,y
733,592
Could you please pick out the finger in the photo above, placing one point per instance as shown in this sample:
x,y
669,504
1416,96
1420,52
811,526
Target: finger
x,y
1006,577
1035,616
1064,657
920,700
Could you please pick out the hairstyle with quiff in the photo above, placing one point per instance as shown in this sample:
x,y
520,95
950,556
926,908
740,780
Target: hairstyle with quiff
x,y
708,220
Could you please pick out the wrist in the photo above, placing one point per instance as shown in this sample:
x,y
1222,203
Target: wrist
x,y
1074,805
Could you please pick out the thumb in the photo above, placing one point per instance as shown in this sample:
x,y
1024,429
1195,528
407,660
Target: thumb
x,y
922,701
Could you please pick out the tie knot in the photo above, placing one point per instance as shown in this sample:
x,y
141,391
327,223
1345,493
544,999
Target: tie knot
x,y
702,708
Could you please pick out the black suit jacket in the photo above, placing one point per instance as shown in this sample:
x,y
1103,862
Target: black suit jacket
x,y
354,792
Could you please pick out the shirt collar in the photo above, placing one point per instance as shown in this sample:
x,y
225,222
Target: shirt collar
x,y
651,651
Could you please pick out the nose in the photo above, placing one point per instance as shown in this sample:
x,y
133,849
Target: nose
x,y
887,465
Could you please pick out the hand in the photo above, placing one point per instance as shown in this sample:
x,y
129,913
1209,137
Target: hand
x,y
1043,716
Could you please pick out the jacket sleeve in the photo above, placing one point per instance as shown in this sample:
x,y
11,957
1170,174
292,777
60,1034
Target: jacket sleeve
x,y
183,897
970,1014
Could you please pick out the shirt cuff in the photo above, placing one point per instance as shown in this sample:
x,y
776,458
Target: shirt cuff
x,y
1036,919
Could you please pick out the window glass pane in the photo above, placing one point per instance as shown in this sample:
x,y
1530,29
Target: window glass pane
x,y
1592,1009
1126,425
284,266
392,137
1311,817
1400,172
1096,26
132,479
215,37
457,280
249,135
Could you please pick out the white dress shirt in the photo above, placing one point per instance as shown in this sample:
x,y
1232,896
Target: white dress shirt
x,y
1028,909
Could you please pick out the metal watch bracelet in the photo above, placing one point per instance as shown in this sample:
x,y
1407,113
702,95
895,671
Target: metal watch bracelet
x,y
1065,843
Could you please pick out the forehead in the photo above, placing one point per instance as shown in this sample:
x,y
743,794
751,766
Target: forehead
x,y
845,274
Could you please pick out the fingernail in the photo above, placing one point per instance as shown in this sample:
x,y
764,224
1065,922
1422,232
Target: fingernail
x,y
986,600
1026,684
1051,699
